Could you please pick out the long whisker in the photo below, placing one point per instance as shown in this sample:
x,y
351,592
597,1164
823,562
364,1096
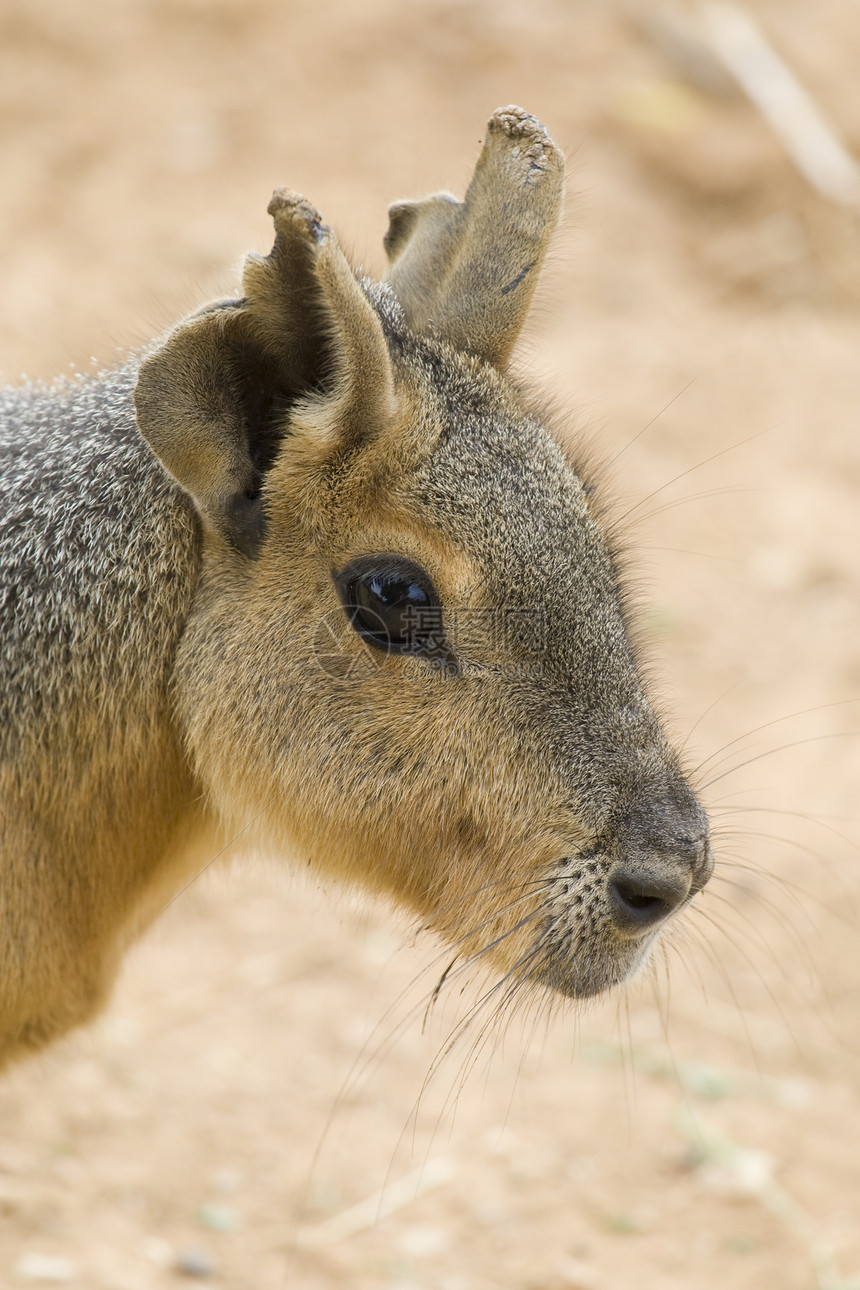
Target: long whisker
x,y
743,953
755,932
767,725
706,712
375,1048
799,897
501,885
454,971
648,424
805,816
741,443
460,1027
771,752
729,491
722,972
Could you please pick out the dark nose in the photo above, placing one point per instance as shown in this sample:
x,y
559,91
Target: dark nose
x,y
643,895
666,860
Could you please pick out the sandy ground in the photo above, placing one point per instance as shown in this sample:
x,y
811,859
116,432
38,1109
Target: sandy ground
x,y
253,1109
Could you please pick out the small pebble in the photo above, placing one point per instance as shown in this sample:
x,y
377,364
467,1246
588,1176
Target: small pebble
x,y
227,1180
575,1274
45,1268
422,1239
194,1263
157,1250
218,1218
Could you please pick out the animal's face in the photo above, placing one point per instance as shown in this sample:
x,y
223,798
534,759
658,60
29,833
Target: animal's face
x,y
408,656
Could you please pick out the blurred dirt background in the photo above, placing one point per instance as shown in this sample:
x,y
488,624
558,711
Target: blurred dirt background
x,y
253,1110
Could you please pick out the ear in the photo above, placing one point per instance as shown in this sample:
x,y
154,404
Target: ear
x,y
466,271
213,400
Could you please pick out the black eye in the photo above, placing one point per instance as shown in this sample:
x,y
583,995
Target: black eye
x,y
392,604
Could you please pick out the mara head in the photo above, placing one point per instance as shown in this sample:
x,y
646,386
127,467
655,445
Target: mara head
x,y
408,659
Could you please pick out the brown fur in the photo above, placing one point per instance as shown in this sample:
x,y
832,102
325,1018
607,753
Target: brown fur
x,y
169,606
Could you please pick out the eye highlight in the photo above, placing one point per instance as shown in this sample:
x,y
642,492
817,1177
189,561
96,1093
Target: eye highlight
x,y
392,604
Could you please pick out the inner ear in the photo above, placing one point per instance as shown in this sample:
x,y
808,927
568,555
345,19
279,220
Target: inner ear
x,y
212,403
265,392
264,396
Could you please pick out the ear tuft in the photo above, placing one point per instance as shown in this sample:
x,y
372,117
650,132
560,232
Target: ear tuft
x,y
294,215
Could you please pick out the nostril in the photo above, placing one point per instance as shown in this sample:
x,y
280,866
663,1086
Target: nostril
x,y
641,898
634,908
636,900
